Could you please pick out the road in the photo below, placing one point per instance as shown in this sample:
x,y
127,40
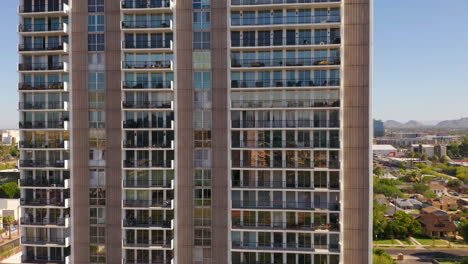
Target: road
x,y
416,256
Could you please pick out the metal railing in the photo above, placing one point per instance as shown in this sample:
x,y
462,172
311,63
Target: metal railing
x,y
42,163
148,183
41,27
50,105
165,64
40,86
130,4
147,84
285,20
41,124
132,222
146,104
148,203
41,259
289,123
277,2
280,83
286,225
282,185
283,246
42,144
143,243
151,44
285,144
288,62
41,47
147,163
41,66
43,202
147,124
38,8
309,205
43,241
158,23
285,103
43,221
284,41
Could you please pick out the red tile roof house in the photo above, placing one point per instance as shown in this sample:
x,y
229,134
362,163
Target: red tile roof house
x,y
437,226
445,203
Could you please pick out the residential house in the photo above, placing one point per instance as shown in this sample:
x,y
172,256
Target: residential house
x,y
445,203
437,226
408,204
437,188
433,210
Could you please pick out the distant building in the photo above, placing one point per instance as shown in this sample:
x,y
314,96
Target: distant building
x,y
408,204
9,137
433,210
445,203
437,188
10,207
384,150
379,128
437,226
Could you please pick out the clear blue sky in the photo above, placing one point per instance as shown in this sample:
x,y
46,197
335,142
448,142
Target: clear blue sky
x,y
420,59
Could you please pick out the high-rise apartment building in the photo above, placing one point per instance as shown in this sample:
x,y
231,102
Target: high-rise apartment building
x,y
195,131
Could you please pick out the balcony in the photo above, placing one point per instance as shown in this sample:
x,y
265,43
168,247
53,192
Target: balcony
x,y
277,144
43,29
51,144
286,103
131,144
279,2
290,123
145,260
285,62
147,104
45,202
44,9
62,164
148,45
147,223
29,221
282,41
334,227
169,184
287,205
58,105
159,24
45,183
147,85
286,83
280,20
290,246
168,244
148,203
57,241
41,67
43,48
147,124
147,65
237,184
146,4
43,86
44,259
43,125
148,164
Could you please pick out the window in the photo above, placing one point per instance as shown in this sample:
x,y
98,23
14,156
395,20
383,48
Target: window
x,y
97,177
202,100
203,177
201,40
201,20
95,42
201,60
97,254
97,196
97,235
96,62
201,4
202,119
97,119
97,216
95,5
202,80
96,81
202,237
96,23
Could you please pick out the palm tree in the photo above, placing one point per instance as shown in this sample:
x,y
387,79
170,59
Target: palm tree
x,y
9,220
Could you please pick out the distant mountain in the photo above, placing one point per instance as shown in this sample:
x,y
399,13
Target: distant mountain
x,y
409,124
459,123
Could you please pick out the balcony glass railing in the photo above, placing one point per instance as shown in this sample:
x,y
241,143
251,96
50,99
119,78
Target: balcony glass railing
x,y
280,83
30,182
290,123
147,183
129,4
148,203
43,240
279,2
285,144
43,221
42,202
298,205
282,62
285,103
29,258
54,6
147,85
136,24
42,163
140,163
41,47
291,246
146,243
283,185
152,44
147,64
146,104
41,86
41,27
285,20
141,144
41,125
41,66
280,41
147,124
42,144
42,105
285,225
132,222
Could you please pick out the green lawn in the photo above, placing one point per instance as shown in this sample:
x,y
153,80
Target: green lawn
x,y
386,242
430,242
406,241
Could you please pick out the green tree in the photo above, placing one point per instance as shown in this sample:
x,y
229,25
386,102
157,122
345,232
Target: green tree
x,y
378,171
10,189
464,260
463,229
420,188
379,221
453,183
403,224
430,194
444,159
9,220
381,256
